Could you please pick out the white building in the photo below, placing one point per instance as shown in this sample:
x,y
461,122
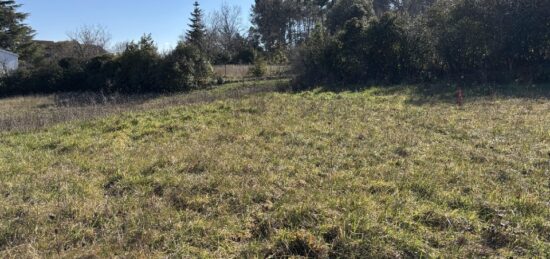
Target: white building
x,y
8,61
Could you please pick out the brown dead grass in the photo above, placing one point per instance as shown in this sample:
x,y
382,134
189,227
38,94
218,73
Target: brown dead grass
x,y
27,113
235,72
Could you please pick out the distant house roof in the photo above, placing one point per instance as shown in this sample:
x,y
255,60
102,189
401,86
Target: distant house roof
x,y
8,52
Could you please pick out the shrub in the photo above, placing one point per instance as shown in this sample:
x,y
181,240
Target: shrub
x,y
245,56
101,72
375,50
471,40
220,80
42,80
72,76
313,60
259,69
276,57
10,84
389,52
491,40
137,67
346,10
185,68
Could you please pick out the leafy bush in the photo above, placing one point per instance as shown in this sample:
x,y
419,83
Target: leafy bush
x,y
245,56
185,68
259,69
375,50
492,39
346,10
472,40
101,72
72,75
389,51
138,69
313,60
42,80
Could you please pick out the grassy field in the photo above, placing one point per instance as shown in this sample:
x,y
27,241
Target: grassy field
x,y
383,172
27,113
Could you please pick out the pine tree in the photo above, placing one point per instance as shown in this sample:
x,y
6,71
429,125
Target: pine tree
x,y
15,35
197,33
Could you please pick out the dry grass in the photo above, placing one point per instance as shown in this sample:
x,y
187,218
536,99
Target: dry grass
x,y
379,173
238,72
35,112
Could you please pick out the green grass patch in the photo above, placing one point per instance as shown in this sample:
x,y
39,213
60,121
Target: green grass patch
x,y
374,173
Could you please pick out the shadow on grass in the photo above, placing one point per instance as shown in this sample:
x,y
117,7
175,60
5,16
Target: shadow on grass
x,y
421,94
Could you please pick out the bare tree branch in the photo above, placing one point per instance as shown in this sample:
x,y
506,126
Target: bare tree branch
x,y
93,40
226,24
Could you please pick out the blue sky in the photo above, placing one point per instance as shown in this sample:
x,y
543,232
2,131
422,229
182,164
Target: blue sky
x,y
124,19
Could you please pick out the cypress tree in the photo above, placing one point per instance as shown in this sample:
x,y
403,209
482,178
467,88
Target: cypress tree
x,y
197,32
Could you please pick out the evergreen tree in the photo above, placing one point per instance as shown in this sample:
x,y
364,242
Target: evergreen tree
x,y
15,35
197,32
286,23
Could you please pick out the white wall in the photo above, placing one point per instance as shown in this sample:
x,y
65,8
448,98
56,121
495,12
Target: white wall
x,y
8,62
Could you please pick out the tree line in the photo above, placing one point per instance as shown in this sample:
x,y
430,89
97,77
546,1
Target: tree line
x,y
326,41
466,41
393,41
83,64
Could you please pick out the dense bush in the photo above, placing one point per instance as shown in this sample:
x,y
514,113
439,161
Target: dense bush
x,y
492,40
185,68
42,80
138,69
102,72
475,40
314,57
345,10
375,50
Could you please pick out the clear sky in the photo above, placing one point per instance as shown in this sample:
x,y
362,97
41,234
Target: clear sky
x,y
124,19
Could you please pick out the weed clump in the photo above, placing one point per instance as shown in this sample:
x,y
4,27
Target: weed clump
x,y
298,243
438,221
